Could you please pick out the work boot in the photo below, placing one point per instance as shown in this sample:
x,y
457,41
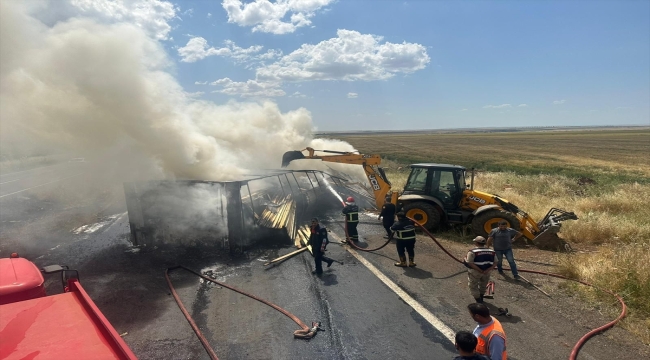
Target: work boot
x,y
402,262
329,262
412,262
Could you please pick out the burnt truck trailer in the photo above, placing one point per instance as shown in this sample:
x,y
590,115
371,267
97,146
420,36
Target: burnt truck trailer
x,y
231,214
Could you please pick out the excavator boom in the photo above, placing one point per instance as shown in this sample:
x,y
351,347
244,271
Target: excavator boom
x,y
379,185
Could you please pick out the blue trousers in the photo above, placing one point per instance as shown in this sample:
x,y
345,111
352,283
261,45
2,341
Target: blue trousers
x,y
511,261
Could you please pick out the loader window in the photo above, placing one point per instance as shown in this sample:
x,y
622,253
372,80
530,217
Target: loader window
x,y
444,187
447,183
417,180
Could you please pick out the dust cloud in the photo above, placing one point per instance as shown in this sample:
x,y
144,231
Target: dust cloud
x,y
106,92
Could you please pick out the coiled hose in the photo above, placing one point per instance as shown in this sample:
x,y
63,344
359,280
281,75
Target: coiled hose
x,y
305,331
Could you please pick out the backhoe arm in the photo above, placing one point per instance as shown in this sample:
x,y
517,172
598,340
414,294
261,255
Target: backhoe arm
x,y
378,182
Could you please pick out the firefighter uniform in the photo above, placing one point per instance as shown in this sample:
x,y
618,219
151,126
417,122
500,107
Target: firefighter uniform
x,y
351,212
388,216
404,233
318,241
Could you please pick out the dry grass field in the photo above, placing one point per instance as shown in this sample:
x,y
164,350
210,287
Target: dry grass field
x,y
602,175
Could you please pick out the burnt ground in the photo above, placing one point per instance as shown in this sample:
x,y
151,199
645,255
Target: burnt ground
x,y
362,318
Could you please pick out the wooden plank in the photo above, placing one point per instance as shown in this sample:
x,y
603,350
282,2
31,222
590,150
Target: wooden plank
x,y
283,257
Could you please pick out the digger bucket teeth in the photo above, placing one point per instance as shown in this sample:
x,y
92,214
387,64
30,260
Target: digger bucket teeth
x,y
549,240
290,156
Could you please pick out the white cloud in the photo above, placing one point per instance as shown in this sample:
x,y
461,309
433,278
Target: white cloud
x,y
502,106
463,110
189,12
200,82
197,48
266,16
352,95
350,56
209,15
270,54
248,88
522,105
298,94
559,102
151,15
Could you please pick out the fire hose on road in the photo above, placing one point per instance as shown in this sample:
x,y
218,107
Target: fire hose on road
x,y
581,341
305,332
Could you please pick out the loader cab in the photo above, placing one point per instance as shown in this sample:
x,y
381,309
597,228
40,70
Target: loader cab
x,y
441,181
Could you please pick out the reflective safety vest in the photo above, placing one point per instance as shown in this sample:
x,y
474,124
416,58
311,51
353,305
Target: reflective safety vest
x,y
408,233
483,345
483,257
351,213
352,217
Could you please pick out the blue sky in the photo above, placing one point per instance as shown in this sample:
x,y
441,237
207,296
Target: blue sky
x,y
569,62
381,64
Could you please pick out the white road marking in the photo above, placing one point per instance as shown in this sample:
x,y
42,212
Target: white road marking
x,y
91,228
117,218
7,182
22,171
34,187
426,314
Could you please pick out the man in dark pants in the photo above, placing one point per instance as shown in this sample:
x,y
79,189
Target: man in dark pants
x,y
405,234
351,212
388,215
318,241
503,237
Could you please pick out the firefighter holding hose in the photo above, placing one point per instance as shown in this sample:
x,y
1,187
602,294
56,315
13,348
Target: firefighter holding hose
x,y
351,212
404,232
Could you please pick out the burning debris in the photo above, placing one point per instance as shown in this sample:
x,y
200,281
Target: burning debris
x,y
233,214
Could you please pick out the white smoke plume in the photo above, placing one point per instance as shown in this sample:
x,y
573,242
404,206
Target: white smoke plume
x,y
104,90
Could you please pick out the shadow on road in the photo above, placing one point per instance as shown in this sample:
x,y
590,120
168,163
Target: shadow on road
x,y
494,311
328,278
417,273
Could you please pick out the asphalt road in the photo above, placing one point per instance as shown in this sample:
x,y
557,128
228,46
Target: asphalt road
x,y
60,221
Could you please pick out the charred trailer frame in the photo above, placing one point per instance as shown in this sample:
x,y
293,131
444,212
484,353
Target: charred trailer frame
x,y
230,214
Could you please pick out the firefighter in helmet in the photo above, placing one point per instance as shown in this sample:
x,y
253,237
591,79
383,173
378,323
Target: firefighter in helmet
x,y
404,233
351,212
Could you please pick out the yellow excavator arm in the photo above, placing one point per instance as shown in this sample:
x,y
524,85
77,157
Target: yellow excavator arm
x,y
378,183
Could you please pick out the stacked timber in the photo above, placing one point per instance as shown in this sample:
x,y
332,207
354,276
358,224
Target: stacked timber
x,y
302,237
279,214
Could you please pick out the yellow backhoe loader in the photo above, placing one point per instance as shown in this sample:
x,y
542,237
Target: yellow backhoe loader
x,y
438,193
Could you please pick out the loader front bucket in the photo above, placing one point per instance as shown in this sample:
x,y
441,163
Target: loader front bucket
x,y
290,156
547,239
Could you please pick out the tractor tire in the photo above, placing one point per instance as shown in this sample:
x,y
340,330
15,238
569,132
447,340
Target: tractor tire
x,y
484,222
424,213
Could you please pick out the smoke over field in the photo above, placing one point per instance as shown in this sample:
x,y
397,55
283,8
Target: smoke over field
x,y
105,91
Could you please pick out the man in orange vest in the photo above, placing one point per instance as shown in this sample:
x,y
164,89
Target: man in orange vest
x,y
489,333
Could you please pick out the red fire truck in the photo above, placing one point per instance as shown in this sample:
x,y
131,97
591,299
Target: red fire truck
x,y
36,326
